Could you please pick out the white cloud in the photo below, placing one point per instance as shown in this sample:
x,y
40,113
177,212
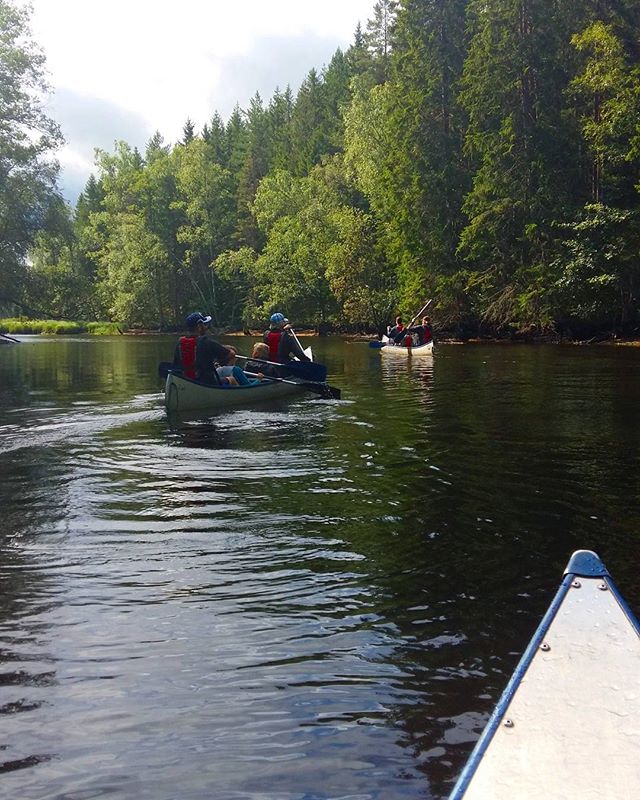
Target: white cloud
x,y
123,69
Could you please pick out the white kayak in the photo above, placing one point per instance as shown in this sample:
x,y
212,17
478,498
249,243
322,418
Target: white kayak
x,y
568,722
401,351
183,394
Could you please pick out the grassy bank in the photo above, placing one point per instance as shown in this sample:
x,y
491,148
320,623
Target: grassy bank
x,y
54,327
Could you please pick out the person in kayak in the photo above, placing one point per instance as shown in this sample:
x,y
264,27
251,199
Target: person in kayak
x,y
283,345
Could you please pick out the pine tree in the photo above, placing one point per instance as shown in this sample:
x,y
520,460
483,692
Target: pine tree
x,y
379,36
310,137
521,150
215,139
254,168
337,96
188,132
425,172
279,113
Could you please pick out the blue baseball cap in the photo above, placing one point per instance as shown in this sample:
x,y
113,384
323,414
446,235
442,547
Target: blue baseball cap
x,y
277,318
196,318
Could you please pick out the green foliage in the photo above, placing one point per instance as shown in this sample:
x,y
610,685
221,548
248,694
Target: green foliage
x,y
359,275
27,139
485,153
599,268
291,269
53,327
103,328
607,95
234,270
427,177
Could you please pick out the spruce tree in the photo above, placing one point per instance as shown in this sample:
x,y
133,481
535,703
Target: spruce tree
x,y
427,178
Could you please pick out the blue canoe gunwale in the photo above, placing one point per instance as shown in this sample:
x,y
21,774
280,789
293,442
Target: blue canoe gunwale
x,y
583,566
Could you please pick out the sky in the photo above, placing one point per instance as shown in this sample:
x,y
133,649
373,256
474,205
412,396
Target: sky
x,y
123,69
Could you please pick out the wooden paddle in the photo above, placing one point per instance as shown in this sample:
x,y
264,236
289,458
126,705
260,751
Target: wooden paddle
x,y
422,310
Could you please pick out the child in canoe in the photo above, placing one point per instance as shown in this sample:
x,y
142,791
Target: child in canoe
x,y
233,372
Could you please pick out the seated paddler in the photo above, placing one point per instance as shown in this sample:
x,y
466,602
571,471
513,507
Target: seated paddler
x,y
196,353
281,340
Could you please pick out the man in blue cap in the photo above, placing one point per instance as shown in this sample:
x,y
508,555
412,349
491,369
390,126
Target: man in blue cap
x,y
282,342
196,352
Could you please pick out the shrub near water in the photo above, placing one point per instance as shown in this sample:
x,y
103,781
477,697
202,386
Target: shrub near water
x,y
103,328
53,327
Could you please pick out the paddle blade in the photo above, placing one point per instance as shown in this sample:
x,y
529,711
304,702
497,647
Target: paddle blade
x,y
331,392
323,389
307,370
377,344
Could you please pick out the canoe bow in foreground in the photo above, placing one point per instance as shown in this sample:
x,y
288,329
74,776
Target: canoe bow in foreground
x,y
182,394
568,723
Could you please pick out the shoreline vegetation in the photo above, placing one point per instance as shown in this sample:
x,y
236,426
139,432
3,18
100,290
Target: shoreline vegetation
x,y
496,172
55,327
24,327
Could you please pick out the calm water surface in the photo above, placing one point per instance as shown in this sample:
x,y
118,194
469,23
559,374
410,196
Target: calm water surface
x,y
321,599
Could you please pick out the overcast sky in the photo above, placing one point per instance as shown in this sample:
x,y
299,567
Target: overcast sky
x,y
126,68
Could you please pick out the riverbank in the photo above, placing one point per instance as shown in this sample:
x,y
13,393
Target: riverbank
x,y
18,326
55,327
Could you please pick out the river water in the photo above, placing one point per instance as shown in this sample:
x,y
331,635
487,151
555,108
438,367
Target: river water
x,y
318,599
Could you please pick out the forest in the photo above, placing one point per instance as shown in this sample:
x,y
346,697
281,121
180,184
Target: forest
x,y
483,153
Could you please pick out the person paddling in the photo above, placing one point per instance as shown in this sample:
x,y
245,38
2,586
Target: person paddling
x,y
196,352
283,345
184,356
423,331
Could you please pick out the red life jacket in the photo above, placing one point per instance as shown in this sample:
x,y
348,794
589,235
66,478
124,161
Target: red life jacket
x,y
272,338
188,356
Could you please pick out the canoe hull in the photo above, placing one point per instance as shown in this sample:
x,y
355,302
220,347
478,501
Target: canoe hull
x,y
567,723
399,351
182,394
